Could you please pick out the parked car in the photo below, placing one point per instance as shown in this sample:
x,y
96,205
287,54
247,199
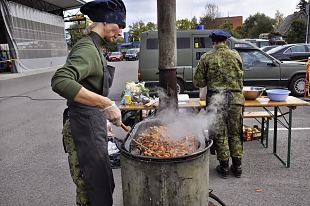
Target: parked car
x,y
258,42
116,56
291,52
260,69
132,54
267,48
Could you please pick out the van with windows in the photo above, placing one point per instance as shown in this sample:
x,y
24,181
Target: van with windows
x,y
260,69
191,44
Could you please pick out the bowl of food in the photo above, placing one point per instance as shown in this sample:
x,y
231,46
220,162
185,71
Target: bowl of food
x,y
278,95
251,93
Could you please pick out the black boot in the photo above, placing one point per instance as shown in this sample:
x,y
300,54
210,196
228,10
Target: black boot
x,y
223,169
236,167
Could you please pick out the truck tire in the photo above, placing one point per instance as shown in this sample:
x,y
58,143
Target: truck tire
x,y
180,86
297,85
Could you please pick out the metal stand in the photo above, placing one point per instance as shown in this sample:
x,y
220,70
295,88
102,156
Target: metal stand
x,y
281,118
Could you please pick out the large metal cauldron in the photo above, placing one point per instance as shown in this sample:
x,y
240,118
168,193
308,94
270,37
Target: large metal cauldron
x,y
150,181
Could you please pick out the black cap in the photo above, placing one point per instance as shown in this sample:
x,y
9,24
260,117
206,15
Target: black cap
x,y
110,11
219,35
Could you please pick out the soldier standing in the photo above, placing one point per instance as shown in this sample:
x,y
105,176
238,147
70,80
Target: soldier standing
x,y
84,81
221,71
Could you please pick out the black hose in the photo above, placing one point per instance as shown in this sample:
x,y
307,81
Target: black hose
x,y
216,198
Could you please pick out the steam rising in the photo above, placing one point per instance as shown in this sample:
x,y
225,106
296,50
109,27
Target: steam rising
x,y
190,123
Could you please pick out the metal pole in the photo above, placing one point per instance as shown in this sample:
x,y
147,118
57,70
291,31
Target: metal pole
x,y
166,21
308,21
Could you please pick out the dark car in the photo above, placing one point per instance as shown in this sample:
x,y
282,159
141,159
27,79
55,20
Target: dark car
x,y
115,56
267,48
261,69
291,52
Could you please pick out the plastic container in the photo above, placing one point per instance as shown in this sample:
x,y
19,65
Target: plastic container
x,y
278,95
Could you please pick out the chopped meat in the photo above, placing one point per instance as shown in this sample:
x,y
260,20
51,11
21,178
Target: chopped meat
x,y
155,142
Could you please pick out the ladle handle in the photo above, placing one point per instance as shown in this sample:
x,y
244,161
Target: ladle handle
x,y
124,127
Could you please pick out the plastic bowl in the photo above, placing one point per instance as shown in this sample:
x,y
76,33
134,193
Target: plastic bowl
x,y
251,93
278,95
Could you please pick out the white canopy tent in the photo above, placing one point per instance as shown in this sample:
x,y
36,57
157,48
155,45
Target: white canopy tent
x,y
36,35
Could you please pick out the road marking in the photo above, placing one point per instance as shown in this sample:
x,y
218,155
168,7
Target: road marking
x,y
297,128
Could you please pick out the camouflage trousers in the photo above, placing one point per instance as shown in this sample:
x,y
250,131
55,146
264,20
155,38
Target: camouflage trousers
x,y
227,132
81,194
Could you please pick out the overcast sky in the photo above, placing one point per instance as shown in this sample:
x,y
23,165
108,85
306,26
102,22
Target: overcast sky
x,y
146,10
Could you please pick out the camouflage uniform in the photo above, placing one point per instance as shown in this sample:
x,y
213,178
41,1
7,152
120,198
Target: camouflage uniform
x,y
81,192
221,71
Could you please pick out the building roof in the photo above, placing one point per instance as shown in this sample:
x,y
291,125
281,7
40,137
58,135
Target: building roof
x,y
51,5
286,24
66,4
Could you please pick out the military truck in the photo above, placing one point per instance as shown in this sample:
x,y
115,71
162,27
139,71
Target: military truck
x,y
260,69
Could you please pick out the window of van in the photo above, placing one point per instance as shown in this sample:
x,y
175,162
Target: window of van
x,y
202,42
152,43
182,43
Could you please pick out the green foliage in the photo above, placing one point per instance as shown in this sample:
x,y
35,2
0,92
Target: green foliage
x,y
137,28
185,24
279,18
257,24
208,22
208,19
238,32
229,27
75,33
297,32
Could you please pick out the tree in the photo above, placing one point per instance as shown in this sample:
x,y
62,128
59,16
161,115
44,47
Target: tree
x,y
279,18
75,33
137,28
228,26
238,32
185,24
297,32
257,24
302,5
212,12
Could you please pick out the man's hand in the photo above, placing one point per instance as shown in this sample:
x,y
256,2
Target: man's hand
x,y
113,114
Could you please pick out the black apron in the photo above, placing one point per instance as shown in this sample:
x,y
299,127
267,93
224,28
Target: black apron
x,y
89,132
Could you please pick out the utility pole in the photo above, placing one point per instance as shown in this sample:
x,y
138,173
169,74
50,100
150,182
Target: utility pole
x,y
166,21
308,21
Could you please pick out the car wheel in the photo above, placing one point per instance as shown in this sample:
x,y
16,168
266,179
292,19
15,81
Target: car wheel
x,y
297,85
180,86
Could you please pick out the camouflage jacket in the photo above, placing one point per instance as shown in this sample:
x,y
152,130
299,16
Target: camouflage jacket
x,y
221,69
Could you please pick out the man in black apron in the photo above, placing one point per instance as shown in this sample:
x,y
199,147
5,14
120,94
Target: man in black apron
x,y
84,81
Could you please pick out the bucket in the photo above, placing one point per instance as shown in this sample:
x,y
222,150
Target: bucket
x,y
153,181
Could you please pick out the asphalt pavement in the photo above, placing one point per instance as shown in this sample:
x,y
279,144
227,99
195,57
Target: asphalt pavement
x,y
34,169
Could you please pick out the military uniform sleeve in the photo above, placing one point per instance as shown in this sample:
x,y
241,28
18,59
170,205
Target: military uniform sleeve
x,y
78,66
200,74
